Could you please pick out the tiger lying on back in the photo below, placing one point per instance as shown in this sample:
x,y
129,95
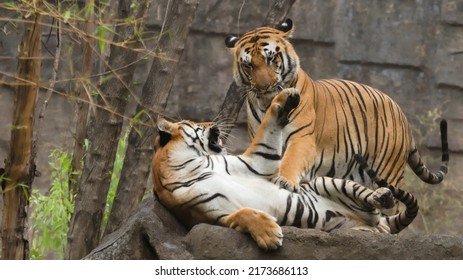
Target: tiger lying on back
x,y
199,183
335,120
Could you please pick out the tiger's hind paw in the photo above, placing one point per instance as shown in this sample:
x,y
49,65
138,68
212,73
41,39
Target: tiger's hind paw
x,y
285,184
383,198
262,227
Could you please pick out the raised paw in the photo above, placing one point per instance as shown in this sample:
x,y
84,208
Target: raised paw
x,y
262,227
383,198
285,184
284,103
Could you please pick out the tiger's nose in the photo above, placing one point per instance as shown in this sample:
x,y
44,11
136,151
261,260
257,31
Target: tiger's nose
x,y
261,85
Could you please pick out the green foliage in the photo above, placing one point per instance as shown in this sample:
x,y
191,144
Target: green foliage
x,y
101,31
115,175
52,212
9,5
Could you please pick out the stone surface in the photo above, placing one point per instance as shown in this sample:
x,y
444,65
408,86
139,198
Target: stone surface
x,y
374,37
152,233
452,11
206,242
314,20
448,66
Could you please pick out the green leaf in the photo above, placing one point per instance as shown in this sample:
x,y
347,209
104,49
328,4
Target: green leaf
x,y
66,16
52,212
101,43
9,5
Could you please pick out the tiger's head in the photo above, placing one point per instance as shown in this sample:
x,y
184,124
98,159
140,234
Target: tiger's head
x,y
264,59
188,137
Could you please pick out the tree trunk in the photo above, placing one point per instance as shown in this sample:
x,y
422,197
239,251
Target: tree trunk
x,y
235,96
20,167
153,100
82,104
104,129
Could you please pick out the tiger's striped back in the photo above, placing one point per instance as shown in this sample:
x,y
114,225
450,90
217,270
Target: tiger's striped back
x,y
353,118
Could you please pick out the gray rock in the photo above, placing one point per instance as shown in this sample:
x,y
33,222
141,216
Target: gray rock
x,y
449,57
208,242
152,233
452,11
372,37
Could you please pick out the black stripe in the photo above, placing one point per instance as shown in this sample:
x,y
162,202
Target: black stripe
x,y
217,195
268,156
226,165
189,183
296,131
253,112
266,146
299,212
288,208
182,165
313,215
252,169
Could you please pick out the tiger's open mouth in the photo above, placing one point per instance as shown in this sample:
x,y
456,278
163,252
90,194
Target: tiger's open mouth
x,y
215,143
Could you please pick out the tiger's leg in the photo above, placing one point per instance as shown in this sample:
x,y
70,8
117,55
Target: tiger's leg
x,y
397,207
298,156
264,152
262,227
357,195
362,204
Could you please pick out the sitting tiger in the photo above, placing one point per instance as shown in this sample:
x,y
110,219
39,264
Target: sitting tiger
x,y
199,183
336,119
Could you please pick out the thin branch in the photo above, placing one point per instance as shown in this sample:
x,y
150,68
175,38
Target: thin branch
x,y
54,75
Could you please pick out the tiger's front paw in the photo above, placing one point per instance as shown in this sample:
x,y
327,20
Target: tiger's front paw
x,y
383,198
266,232
285,184
284,103
262,227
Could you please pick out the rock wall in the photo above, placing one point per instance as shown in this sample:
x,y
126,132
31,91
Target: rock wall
x,y
412,50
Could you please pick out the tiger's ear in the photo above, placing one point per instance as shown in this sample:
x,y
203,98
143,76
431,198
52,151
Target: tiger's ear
x,y
230,41
286,27
165,131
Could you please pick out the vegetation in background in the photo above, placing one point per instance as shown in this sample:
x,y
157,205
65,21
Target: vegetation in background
x,y
116,174
108,40
52,211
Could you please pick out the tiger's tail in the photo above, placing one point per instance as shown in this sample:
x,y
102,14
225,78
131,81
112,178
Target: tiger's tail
x,y
420,169
402,219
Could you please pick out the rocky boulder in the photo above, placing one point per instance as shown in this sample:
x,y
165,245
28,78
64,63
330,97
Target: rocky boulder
x,y
153,233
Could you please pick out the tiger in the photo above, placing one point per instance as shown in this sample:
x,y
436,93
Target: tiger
x,y
199,182
336,119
